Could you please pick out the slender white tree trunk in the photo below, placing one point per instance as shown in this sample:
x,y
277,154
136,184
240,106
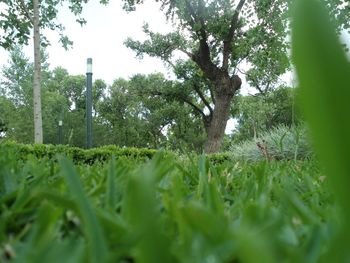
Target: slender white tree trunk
x,y
38,126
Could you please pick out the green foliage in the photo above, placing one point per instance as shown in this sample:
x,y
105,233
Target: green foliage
x,y
324,74
16,20
218,37
130,113
17,95
262,112
165,210
78,155
144,112
281,142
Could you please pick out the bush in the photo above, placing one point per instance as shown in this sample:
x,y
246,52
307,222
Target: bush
x,y
78,155
90,156
281,143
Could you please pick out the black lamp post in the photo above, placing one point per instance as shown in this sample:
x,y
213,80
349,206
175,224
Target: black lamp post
x,y
89,103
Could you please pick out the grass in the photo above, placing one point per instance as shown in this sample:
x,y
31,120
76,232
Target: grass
x,y
165,210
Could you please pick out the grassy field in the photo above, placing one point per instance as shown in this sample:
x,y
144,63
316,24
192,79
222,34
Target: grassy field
x,y
164,210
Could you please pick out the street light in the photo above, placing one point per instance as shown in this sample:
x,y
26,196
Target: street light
x,y
60,133
89,103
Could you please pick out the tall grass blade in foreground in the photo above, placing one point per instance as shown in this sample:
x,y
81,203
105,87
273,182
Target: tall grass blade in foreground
x,y
324,75
142,214
97,247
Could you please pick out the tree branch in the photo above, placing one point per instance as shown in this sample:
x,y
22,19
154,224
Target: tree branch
x,y
204,100
25,12
202,56
189,54
192,22
195,107
189,102
229,39
170,63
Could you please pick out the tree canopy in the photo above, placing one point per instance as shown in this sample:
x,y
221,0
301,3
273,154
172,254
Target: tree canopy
x,y
226,39
16,21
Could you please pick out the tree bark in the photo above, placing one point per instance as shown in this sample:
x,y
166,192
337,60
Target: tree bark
x,y
215,127
38,126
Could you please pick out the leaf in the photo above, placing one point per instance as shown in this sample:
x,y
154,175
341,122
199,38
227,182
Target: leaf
x,y
43,246
141,212
324,75
111,201
97,247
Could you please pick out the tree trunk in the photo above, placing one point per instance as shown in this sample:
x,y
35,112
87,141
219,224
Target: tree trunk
x,y
38,126
215,126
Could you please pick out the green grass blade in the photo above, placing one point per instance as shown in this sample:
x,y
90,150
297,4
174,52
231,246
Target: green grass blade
x,y
141,212
111,191
324,76
96,243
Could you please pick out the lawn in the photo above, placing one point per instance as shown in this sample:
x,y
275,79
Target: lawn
x,y
167,209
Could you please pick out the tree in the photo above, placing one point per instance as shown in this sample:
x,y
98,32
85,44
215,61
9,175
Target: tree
x,y
133,113
16,89
264,111
166,118
213,35
221,37
17,20
38,125
17,78
6,109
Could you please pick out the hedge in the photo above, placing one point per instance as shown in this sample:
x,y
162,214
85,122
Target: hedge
x,y
90,156
78,155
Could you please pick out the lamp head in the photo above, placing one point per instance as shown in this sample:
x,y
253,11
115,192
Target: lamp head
x,y
89,65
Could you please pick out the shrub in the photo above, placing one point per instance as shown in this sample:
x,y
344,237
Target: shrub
x,y
78,155
282,142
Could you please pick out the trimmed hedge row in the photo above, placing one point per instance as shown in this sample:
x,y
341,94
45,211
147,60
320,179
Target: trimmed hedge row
x,y
90,156
78,155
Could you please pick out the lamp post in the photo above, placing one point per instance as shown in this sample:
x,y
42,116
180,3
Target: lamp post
x,y
89,103
60,133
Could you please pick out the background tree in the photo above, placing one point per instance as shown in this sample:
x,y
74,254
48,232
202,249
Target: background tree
x,y
166,114
262,112
6,114
218,36
16,88
133,113
222,37
17,20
